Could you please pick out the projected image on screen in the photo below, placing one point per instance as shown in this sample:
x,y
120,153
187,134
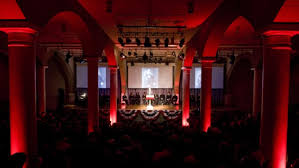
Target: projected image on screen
x,y
150,77
102,77
197,77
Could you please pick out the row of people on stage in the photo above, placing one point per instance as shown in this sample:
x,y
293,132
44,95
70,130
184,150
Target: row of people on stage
x,y
162,99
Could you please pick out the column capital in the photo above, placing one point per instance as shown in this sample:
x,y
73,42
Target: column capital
x,y
276,39
19,36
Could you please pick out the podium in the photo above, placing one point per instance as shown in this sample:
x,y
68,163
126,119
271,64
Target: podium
x,y
149,97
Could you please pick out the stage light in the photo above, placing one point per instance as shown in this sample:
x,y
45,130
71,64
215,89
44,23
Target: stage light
x,y
122,55
147,42
129,53
157,41
83,96
68,56
128,40
138,42
182,42
121,41
145,58
166,41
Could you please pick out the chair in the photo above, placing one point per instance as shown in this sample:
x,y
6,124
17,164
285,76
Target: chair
x,y
174,99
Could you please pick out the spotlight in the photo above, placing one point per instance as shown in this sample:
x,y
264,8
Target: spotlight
x,y
135,54
129,53
138,42
68,56
182,42
121,41
147,42
83,96
128,40
157,41
122,55
145,57
166,41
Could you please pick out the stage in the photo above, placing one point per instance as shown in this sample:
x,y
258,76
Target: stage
x,y
156,107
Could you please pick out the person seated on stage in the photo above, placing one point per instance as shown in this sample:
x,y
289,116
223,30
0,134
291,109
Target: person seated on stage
x,y
162,99
168,98
144,98
174,99
137,98
131,98
125,99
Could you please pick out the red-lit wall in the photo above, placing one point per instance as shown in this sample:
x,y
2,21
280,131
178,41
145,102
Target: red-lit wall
x,y
54,81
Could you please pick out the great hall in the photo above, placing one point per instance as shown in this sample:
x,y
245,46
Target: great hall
x,y
149,83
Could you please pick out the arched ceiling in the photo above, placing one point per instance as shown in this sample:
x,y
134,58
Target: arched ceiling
x,y
161,12
289,12
9,9
240,32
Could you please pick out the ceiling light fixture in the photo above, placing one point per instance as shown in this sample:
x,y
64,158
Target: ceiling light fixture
x,y
147,42
166,41
157,41
128,40
121,41
138,42
182,42
122,55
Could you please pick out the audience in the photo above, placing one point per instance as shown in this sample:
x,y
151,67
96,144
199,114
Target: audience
x,y
232,142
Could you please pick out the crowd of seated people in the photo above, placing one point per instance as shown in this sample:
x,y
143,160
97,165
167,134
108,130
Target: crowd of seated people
x,y
162,99
229,143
